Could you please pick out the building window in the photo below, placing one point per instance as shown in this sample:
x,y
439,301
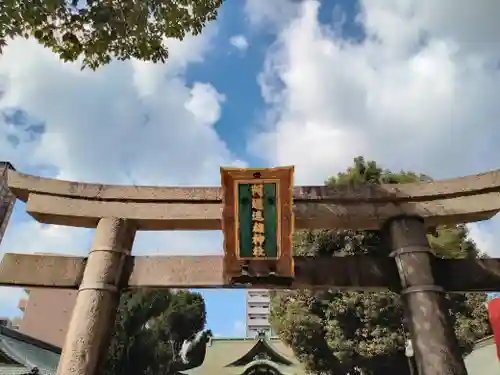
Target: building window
x,y
258,294
258,316
258,305
260,328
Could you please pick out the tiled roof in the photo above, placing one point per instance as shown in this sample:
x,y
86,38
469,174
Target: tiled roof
x,y
483,359
13,370
224,356
228,356
26,353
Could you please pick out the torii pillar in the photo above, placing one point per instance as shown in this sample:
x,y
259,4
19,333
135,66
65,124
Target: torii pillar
x,y
434,341
91,325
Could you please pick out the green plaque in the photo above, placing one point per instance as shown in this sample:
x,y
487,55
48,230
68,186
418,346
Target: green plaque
x,y
257,220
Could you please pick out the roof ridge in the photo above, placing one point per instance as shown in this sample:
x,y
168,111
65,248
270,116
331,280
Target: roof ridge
x,y
481,343
5,331
279,352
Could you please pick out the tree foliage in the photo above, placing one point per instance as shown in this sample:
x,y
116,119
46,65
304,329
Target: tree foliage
x,y
150,330
360,332
99,30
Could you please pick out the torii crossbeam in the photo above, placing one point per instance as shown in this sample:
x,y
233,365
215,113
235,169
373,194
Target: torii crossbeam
x,y
403,212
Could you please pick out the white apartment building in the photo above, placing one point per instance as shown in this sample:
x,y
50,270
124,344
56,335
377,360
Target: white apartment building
x,y
257,311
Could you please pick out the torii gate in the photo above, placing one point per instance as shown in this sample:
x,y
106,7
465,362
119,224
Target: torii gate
x,y
403,212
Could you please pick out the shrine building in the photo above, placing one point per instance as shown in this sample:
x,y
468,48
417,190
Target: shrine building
x,y
21,354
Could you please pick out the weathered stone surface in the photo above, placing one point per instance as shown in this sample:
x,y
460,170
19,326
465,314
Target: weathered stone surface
x,y
465,199
53,271
356,273
23,184
207,216
433,337
89,330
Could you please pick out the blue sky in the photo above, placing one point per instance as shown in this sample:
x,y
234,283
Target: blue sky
x,y
270,83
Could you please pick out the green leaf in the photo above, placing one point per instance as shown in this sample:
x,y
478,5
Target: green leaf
x,y
106,30
150,328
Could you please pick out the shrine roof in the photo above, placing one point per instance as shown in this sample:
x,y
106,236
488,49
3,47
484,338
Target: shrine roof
x,y
483,359
235,356
21,354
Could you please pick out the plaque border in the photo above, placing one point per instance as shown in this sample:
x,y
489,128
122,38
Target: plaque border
x,y
230,178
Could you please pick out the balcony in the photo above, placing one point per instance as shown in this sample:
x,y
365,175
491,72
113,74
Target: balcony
x,y
257,310
259,322
258,298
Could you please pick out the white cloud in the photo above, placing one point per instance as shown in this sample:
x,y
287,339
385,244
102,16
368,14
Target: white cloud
x,y
239,42
204,103
28,237
271,16
239,329
486,236
127,123
420,92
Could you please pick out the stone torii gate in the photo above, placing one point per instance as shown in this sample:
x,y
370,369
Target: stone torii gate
x,y
403,212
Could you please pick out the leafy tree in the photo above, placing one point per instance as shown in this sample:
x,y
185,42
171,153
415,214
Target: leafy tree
x,y
98,30
360,332
150,330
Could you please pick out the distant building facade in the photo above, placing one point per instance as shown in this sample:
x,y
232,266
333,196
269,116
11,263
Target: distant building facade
x,y
7,199
258,303
54,307
46,314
